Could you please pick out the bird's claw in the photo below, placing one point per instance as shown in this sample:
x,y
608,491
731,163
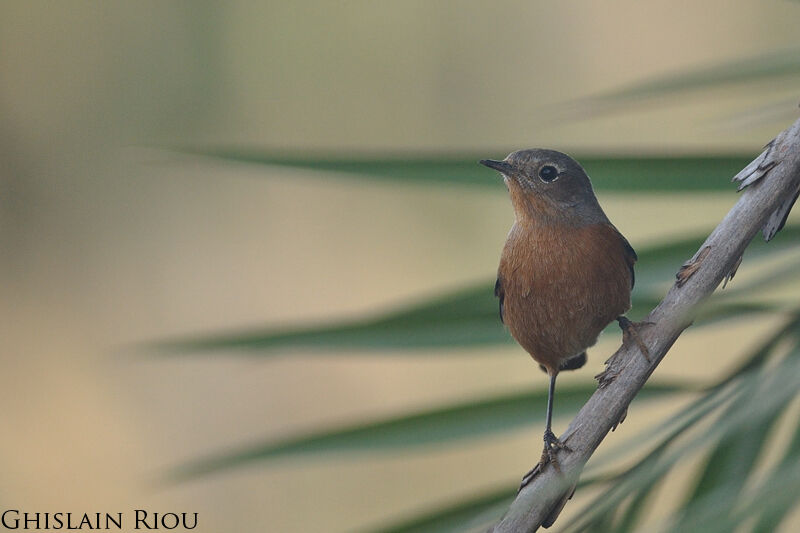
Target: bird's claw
x,y
551,442
527,478
551,447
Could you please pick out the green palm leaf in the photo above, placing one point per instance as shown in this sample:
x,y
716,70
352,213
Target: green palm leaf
x,y
731,436
458,517
480,510
725,509
445,424
469,317
629,173
770,519
772,65
732,459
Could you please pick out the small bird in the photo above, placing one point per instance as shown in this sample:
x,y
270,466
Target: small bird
x,y
565,271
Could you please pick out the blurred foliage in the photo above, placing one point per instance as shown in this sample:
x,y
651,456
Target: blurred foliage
x,y
728,423
469,316
612,173
729,427
773,65
468,420
724,423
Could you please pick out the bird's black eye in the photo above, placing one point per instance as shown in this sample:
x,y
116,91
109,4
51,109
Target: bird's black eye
x,y
548,173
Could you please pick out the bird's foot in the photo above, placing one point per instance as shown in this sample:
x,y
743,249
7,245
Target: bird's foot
x,y
630,330
551,447
527,478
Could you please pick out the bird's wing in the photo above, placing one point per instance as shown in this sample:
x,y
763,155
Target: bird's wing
x,y
630,253
501,294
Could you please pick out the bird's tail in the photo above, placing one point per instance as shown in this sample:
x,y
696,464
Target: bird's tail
x,y
573,363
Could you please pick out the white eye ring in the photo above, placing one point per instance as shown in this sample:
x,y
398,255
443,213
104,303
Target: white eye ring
x,y
548,173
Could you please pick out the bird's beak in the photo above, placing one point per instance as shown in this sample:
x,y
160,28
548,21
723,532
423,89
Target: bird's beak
x,y
500,166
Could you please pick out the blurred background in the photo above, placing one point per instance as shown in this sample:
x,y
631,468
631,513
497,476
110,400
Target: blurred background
x,y
248,257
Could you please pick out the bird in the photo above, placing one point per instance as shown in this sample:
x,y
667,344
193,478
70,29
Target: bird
x,y
565,271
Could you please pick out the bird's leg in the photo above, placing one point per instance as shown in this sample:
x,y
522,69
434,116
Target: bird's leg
x,y
551,442
629,330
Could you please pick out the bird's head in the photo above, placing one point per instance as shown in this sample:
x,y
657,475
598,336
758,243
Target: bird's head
x,y
547,186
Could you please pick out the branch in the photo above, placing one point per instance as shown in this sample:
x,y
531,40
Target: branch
x,y
772,183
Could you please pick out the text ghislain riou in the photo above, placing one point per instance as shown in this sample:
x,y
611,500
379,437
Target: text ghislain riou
x,y
137,519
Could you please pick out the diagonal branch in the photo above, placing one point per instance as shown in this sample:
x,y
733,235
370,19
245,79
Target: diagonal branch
x,y
771,183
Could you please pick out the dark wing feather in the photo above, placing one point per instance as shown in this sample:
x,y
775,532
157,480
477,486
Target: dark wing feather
x,y
631,257
630,254
500,293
